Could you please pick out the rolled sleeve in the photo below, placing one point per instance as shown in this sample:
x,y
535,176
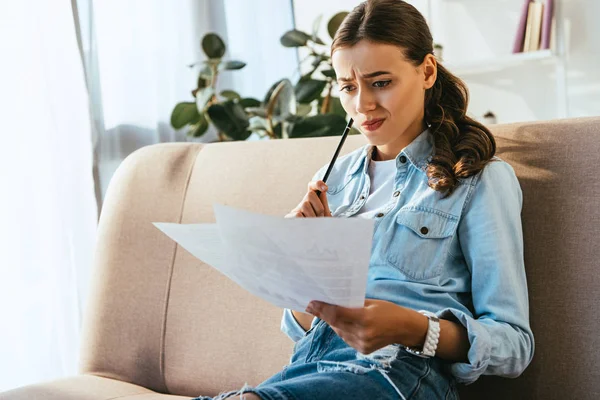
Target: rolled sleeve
x,y
290,326
491,239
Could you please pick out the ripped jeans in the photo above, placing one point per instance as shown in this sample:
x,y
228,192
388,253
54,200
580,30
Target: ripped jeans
x,y
323,367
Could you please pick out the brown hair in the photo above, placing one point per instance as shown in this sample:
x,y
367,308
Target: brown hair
x,y
463,146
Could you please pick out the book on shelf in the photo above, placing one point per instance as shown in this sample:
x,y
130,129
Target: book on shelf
x,y
520,37
535,28
547,25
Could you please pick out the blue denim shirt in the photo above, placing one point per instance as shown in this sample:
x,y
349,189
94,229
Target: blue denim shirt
x,y
460,257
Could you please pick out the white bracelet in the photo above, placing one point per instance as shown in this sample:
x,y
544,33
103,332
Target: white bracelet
x,y
432,338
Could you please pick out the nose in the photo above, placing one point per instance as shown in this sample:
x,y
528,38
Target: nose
x,y
365,102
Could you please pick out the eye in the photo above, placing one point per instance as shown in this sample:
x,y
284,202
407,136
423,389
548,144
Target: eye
x,y
347,88
381,84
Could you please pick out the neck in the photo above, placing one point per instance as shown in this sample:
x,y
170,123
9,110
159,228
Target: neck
x,y
390,150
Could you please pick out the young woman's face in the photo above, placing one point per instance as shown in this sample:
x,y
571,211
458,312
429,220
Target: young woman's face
x,y
383,92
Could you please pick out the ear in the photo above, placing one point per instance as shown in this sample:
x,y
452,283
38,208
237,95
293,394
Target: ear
x,y
429,70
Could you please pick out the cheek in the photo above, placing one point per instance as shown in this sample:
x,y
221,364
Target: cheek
x,y
347,104
401,102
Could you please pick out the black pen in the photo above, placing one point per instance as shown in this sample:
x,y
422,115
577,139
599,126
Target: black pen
x,y
337,152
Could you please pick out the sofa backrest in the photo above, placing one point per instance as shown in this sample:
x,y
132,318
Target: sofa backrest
x,y
160,318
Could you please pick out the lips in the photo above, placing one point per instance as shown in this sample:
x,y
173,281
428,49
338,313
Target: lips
x,y
373,124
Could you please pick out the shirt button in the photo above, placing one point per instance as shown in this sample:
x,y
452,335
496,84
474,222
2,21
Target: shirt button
x,y
402,159
424,230
396,193
379,215
362,197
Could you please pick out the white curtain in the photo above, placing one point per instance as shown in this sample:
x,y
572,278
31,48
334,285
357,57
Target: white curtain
x,y
47,205
139,52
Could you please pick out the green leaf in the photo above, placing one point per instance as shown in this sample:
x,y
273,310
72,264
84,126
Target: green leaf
x,y
334,23
183,114
202,83
258,124
319,125
258,111
335,107
277,130
270,92
354,131
230,95
283,100
199,128
294,118
309,90
213,45
330,73
303,110
294,38
249,102
206,73
203,97
306,76
317,60
230,118
232,64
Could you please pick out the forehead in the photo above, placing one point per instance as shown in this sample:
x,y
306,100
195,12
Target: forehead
x,y
365,57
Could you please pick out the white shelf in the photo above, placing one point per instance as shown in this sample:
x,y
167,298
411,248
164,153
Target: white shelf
x,y
487,66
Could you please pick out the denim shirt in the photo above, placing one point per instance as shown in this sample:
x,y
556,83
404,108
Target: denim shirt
x,y
460,257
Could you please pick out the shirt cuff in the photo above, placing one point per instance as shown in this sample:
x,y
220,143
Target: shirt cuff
x,y
290,326
479,351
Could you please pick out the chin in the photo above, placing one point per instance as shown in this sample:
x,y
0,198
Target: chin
x,y
375,138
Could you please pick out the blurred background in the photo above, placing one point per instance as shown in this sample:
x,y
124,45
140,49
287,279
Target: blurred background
x,y
85,83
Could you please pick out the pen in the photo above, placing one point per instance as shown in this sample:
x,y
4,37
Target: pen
x,y
337,152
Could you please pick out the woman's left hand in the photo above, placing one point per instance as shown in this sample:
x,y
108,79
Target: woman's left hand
x,y
376,325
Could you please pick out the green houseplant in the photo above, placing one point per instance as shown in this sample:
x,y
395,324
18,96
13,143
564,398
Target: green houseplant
x,y
287,111
196,114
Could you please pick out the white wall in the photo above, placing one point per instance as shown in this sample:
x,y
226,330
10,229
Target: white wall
x,y
479,30
583,67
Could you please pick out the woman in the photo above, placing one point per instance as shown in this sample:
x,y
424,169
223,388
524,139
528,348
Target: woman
x,y
447,294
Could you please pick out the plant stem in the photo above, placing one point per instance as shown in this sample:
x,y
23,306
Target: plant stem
x,y
213,84
326,101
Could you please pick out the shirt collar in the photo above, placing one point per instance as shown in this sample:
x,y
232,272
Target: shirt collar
x,y
418,152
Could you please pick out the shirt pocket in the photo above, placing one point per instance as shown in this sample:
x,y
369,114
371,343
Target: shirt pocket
x,y
334,188
419,242
342,195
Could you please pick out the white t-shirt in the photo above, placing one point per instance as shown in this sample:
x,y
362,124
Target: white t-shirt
x,y
382,174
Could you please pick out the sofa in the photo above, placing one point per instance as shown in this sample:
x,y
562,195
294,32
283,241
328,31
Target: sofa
x,y
161,324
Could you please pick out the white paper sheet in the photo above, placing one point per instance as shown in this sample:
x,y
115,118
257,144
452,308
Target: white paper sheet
x,y
288,262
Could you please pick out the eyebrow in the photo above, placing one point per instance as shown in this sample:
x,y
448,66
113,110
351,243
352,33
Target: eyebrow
x,y
366,76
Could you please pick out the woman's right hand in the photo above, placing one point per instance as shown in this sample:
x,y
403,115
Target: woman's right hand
x,y
312,205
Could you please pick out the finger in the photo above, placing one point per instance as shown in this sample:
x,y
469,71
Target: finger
x,y
295,213
341,317
317,185
316,204
352,314
325,203
307,209
322,188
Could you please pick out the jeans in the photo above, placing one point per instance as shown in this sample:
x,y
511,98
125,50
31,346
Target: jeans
x,y
324,367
